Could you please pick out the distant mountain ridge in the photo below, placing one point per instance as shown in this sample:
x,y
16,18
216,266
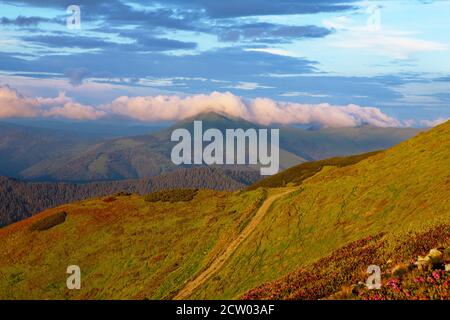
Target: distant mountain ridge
x,y
149,155
24,146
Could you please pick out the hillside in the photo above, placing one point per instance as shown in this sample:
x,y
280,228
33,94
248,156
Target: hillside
x,y
392,205
297,174
337,142
149,155
121,242
397,192
341,275
19,199
135,157
24,146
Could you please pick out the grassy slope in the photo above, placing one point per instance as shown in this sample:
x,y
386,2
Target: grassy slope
x,y
21,199
338,275
153,246
296,175
403,189
129,248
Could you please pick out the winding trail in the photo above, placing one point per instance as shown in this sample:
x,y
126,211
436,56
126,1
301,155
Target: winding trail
x,y
189,288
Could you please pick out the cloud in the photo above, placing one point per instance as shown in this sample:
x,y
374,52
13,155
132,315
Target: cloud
x,y
22,21
261,110
232,64
304,94
162,44
74,111
68,41
144,43
13,104
375,38
116,9
269,32
239,8
391,44
273,51
433,123
76,75
248,86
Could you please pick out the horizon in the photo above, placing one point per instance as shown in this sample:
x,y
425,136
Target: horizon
x,y
333,64
126,123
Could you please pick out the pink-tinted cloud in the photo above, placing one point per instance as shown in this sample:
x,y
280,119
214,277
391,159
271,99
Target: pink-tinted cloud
x,y
173,107
75,111
433,123
260,110
13,104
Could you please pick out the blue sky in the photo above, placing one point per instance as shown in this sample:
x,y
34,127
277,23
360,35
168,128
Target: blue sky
x,y
390,55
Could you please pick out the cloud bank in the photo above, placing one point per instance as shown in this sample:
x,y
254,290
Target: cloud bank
x,y
171,108
261,110
14,104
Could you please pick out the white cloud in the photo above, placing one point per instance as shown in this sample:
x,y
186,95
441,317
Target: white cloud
x,y
392,43
260,110
248,86
304,94
433,123
75,111
274,51
13,104
175,107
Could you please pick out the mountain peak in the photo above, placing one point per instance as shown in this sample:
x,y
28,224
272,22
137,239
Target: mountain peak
x,y
213,119
211,116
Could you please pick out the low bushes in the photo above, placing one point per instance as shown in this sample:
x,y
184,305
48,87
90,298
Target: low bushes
x,y
49,222
176,195
335,275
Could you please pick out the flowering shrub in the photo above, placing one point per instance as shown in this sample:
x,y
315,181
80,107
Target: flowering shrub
x,y
335,275
418,285
327,275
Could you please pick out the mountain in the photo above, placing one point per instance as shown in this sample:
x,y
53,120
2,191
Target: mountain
x,y
334,142
149,155
101,129
134,157
305,241
20,200
24,146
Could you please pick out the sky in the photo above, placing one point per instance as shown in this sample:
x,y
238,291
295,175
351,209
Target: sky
x,y
327,62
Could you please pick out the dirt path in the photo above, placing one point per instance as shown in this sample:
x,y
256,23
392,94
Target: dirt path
x,y
219,262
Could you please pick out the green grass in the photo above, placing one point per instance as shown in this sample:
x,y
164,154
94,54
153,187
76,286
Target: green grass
x,y
179,195
128,248
296,175
397,191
